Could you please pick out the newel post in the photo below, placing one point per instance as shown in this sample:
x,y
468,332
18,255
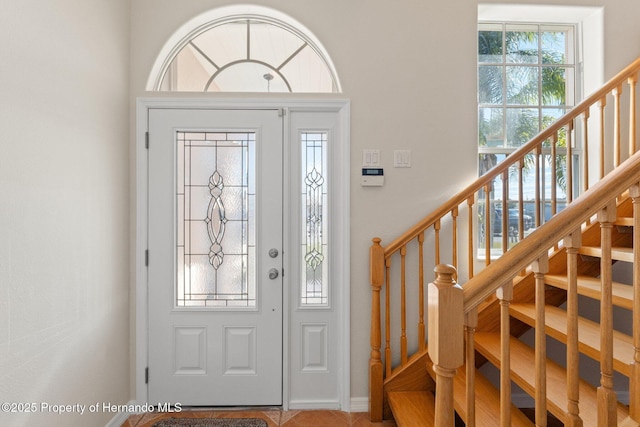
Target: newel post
x,y
376,277
446,339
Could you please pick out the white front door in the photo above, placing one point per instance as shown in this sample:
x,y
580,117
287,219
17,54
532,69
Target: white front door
x,y
215,257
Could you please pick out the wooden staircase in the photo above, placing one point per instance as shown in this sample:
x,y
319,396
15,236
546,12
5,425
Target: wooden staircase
x,y
416,408
506,314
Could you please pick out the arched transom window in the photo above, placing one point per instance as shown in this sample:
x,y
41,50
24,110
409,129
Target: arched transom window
x,y
248,54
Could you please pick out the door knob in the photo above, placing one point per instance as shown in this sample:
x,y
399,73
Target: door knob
x,y
273,273
273,252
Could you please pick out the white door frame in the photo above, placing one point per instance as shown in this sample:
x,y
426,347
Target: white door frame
x,y
340,223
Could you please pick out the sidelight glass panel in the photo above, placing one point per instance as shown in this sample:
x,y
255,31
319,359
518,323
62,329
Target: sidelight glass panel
x,y
215,220
314,289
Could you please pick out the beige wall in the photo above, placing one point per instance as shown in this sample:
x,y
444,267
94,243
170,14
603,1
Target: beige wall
x,y
64,188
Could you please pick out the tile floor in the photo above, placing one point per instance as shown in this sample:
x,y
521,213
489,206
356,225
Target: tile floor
x,y
273,417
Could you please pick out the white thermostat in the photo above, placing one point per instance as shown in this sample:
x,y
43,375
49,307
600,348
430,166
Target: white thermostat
x,y
372,177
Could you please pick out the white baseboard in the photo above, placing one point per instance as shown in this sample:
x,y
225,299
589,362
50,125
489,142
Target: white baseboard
x,y
314,404
359,404
121,417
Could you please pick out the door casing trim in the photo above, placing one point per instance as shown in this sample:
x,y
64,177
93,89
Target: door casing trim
x,y
341,272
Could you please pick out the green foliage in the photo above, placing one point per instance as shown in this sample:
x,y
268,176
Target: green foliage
x,y
521,53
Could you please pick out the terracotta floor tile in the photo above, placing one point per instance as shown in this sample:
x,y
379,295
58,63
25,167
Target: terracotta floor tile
x,y
149,419
133,420
361,419
319,419
286,416
274,416
127,423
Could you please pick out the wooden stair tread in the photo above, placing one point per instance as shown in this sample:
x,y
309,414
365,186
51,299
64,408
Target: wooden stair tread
x,y
629,422
413,408
487,400
617,253
590,287
624,221
523,358
588,334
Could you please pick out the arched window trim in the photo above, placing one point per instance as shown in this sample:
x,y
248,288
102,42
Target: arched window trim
x,y
225,15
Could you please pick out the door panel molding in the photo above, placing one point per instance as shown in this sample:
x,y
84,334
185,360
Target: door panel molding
x,y
340,270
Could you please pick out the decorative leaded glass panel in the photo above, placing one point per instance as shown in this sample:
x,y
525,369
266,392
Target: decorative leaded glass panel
x,y
215,195
314,288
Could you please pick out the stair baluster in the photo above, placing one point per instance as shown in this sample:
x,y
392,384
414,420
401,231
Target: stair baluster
x,y
403,305
454,238
602,104
387,318
632,113
376,278
471,323
421,325
488,232
553,159
616,125
521,166
634,381
585,152
569,162
540,267
572,243
471,247
505,295
538,165
436,230
607,398
505,212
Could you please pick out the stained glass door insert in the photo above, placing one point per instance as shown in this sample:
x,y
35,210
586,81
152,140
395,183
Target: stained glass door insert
x,y
314,203
215,196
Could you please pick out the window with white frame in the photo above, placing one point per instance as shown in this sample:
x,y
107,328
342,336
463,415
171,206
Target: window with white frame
x,y
527,78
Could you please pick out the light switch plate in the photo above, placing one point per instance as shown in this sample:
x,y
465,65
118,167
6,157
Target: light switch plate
x,y
402,158
370,158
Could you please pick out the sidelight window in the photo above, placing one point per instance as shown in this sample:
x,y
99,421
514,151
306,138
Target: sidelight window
x,y
314,283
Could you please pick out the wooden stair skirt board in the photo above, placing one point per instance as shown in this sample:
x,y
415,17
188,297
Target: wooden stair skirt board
x,y
522,361
417,408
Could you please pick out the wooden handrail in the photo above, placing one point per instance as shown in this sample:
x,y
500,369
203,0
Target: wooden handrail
x,y
485,283
629,72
